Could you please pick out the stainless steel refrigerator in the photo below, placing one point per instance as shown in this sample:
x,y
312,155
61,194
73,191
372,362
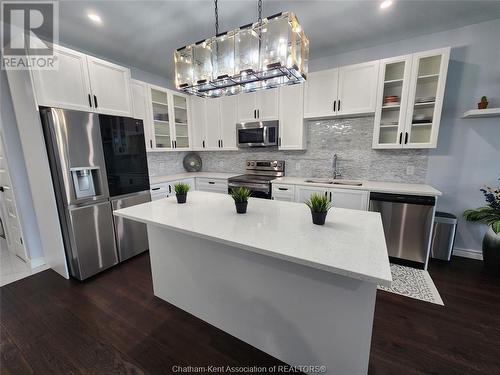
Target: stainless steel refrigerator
x,y
79,159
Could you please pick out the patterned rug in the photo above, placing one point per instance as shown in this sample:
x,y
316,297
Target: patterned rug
x,y
413,283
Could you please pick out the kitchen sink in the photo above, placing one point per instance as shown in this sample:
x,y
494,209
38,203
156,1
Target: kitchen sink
x,y
334,182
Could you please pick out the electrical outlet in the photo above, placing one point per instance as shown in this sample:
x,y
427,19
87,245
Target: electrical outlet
x,y
410,170
297,166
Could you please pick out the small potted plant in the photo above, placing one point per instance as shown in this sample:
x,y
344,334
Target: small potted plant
x,y
319,205
490,215
240,196
181,190
483,104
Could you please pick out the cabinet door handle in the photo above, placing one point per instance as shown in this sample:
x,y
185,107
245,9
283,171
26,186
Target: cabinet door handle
x,y
95,101
151,143
169,188
285,189
203,143
338,107
254,113
326,193
172,144
211,182
406,137
157,188
334,106
258,113
400,137
221,144
90,101
279,141
330,196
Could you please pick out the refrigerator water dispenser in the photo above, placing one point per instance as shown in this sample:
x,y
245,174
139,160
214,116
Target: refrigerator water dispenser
x,y
84,181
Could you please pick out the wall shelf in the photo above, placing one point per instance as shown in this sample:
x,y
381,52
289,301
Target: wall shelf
x,y
488,112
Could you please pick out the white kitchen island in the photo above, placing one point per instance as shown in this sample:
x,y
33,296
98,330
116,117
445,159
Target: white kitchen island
x,y
303,293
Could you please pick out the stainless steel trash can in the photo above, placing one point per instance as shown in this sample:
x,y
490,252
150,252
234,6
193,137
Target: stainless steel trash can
x,y
443,235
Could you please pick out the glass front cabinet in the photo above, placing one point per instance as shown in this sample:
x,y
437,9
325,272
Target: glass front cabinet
x,y
169,114
409,100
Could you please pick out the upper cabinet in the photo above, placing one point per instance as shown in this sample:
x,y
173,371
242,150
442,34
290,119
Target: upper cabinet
x,y
410,99
110,84
260,105
84,83
140,108
170,119
345,91
291,116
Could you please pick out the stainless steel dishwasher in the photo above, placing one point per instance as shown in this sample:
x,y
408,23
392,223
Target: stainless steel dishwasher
x,y
407,222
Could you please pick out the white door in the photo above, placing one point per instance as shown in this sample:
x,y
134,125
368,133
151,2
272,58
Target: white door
x,y
228,120
358,88
392,99
352,199
212,136
141,110
303,193
110,84
67,87
198,122
291,127
425,99
267,104
321,93
247,107
8,210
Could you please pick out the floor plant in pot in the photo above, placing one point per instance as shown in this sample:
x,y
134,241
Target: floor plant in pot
x,y
319,205
490,215
181,190
240,196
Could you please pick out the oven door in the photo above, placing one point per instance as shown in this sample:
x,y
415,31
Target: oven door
x,y
258,190
257,134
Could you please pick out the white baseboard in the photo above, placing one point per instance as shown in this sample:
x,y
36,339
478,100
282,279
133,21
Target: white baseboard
x,y
468,253
37,262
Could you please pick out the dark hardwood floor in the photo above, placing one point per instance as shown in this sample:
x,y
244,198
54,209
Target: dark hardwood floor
x,y
112,324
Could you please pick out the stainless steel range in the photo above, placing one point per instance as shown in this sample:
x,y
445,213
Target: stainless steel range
x,y
258,177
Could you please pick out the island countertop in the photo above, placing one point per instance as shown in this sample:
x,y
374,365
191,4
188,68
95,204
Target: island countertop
x,y
351,243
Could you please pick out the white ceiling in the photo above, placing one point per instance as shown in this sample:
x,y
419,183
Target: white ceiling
x,y
143,34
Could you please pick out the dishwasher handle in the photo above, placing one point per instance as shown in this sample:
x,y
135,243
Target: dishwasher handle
x,y
403,198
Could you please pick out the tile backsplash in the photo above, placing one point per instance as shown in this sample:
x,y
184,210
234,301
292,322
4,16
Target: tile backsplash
x,y
350,139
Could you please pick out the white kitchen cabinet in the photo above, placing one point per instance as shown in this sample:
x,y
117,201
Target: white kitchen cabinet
x,y
342,198
228,120
169,112
159,191
357,90
141,110
84,83
419,81
425,100
66,87
291,117
212,124
321,93
190,181
198,122
110,85
260,105
214,185
346,91
281,192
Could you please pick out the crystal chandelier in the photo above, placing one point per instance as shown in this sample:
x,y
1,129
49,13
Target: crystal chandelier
x,y
271,52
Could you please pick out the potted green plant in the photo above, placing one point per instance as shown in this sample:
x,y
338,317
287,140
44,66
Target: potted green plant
x,y
240,196
483,104
319,205
181,190
490,215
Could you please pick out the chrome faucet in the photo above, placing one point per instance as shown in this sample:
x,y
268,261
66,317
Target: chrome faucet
x,y
336,171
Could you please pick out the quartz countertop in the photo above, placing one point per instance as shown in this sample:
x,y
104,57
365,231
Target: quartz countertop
x,y
179,176
351,243
372,186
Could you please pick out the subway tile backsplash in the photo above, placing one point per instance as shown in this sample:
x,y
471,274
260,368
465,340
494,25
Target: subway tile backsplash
x,y
350,139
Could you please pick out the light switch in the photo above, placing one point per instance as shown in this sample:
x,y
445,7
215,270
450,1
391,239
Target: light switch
x,y
410,170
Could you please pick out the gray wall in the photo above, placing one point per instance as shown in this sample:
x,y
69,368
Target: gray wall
x,y
468,152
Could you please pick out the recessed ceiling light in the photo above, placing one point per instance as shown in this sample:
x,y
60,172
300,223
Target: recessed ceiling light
x,y
94,17
385,4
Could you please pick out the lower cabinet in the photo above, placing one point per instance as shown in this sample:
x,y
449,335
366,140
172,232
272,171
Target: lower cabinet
x,y
283,192
213,185
167,189
343,198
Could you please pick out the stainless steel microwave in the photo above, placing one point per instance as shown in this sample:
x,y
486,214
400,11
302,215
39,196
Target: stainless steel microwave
x,y
257,134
